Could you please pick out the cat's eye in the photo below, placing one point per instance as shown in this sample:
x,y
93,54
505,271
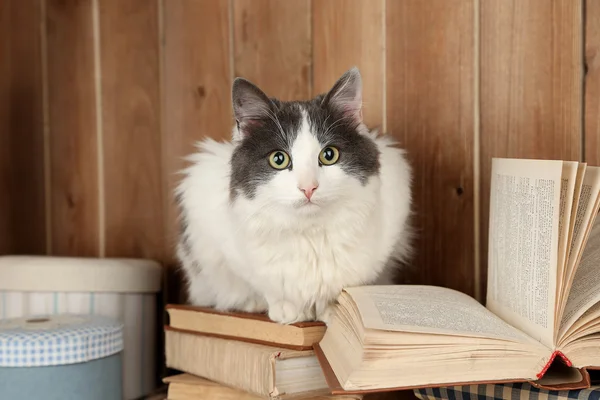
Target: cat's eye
x,y
279,159
329,155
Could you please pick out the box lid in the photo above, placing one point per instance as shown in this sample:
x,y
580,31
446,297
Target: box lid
x,y
79,274
37,341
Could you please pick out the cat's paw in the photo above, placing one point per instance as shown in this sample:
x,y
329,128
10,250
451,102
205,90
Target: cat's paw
x,y
286,312
255,305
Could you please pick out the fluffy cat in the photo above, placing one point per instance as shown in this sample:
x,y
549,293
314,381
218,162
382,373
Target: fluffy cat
x,y
303,202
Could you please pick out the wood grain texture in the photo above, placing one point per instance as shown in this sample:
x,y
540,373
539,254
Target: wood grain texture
x,y
430,75
531,87
348,33
22,213
592,82
72,125
5,137
197,87
131,129
272,46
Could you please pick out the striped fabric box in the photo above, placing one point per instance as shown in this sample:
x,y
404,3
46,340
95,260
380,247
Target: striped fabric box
x,y
512,391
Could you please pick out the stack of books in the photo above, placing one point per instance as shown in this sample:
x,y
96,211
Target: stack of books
x,y
225,355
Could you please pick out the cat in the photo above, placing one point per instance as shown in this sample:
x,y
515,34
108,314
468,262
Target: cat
x,y
303,201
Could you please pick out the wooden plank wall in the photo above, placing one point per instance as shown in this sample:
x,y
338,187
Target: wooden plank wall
x,y
592,82
100,99
22,198
196,87
531,93
430,104
130,124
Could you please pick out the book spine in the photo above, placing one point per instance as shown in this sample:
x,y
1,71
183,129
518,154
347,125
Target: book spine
x,y
236,364
549,363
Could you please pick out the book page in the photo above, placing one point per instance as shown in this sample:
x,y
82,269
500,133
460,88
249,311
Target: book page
x,y
571,176
585,211
523,244
588,323
585,290
563,275
429,309
580,227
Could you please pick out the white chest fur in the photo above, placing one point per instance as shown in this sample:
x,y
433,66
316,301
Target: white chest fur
x,y
307,261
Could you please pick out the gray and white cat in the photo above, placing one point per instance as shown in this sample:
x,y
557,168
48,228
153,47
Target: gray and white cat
x,y
303,202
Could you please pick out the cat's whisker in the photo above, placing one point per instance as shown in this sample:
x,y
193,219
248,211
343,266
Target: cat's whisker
x,y
324,124
274,118
333,126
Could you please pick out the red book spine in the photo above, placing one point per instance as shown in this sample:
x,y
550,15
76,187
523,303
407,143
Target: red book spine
x,y
549,363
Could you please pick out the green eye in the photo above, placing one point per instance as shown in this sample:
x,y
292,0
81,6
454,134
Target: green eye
x,y
279,159
329,155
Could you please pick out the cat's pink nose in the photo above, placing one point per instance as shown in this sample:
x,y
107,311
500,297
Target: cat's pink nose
x,y
308,190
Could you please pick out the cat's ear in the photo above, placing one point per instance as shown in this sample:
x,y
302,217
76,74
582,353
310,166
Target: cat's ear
x,y
251,106
346,95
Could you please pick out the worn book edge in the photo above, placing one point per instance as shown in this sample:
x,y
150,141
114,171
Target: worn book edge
x,y
239,314
260,354
272,355
241,339
185,379
337,389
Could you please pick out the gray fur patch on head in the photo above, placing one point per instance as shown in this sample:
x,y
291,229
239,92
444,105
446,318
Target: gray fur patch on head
x,y
249,165
359,155
267,124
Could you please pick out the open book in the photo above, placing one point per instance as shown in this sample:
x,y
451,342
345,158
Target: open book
x,y
541,322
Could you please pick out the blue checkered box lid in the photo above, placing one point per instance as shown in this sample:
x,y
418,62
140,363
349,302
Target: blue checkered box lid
x,y
37,341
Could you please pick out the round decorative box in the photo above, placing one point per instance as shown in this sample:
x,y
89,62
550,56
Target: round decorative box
x,y
124,289
61,357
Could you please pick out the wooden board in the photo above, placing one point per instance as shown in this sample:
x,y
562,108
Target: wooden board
x,y
272,46
72,128
348,33
6,241
592,82
430,75
531,87
133,222
197,89
22,206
